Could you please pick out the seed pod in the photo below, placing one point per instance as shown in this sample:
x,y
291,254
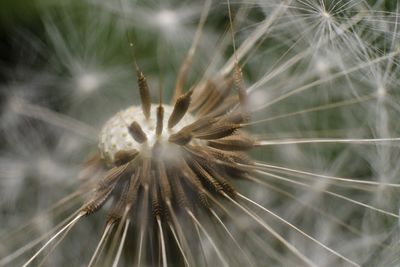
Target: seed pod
x,y
181,138
160,120
125,156
137,133
180,108
237,142
144,94
217,131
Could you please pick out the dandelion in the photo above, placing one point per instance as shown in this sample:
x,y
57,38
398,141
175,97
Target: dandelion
x,y
271,141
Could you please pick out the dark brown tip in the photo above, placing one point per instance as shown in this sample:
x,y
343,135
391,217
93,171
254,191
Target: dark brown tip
x,y
165,187
179,192
228,188
119,206
111,177
238,77
160,119
214,97
237,142
217,131
192,179
144,94
180,108
155,201
201,123
133,187
93,160
205,176
96,201
181,138
236,118
182,75
137,133
125,156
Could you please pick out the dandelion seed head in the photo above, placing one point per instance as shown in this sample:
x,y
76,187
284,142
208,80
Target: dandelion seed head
x,y
305,70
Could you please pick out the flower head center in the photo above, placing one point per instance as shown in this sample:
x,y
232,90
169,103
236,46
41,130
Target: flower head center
x,y
129,129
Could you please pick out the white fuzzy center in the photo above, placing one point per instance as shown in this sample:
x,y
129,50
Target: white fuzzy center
x,y
115,136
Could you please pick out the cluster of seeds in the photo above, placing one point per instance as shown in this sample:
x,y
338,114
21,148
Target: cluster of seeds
x,y
175,159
